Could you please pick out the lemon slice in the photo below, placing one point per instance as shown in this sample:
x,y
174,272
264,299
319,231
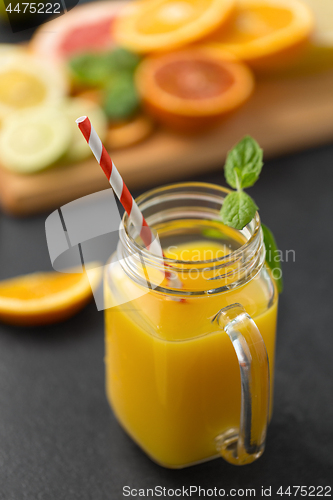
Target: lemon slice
x,y
32,140
44,298
79,149
25,82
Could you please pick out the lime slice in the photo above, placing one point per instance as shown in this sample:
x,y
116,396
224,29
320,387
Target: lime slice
x,y
25,82
33,140
79,149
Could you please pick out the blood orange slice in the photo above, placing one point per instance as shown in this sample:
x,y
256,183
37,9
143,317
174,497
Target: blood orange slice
x,y
192,89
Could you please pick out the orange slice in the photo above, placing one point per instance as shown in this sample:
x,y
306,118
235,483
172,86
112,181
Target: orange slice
x,y
44,298
168,24
319,55
125,134
266,33
192,89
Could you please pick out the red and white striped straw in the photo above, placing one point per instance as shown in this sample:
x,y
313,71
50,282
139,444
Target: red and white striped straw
x,y
121,190
116,181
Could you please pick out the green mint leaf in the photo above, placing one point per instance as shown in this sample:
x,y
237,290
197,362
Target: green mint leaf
x,y
243,164
89,69
273,257
121,99
96,69
121,59
238,209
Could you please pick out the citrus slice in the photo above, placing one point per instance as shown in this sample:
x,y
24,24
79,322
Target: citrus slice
x,y
26,82
167,24
323,13
86,28
192,89
11,47
319,55
75,107
92,95
128,133
34,140
44,298
266,32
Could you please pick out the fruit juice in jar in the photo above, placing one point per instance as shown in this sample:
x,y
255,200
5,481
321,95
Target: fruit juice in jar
x,y
172,374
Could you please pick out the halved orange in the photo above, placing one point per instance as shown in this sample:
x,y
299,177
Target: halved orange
x,y
266,33
192,89
44,298
155,25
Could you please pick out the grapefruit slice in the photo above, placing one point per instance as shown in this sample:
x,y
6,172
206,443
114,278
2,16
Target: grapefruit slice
x,y
32,141
87,28
192,89
168,24
266,33
44,298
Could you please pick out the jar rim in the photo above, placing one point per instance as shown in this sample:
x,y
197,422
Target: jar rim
x,y
152,193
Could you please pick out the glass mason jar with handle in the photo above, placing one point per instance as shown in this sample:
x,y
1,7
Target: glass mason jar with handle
x,y
189,369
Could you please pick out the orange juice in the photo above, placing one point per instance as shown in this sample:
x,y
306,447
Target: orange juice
x,y
172,375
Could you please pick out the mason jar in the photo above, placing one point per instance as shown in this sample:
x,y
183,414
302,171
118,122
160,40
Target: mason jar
x,y
190,360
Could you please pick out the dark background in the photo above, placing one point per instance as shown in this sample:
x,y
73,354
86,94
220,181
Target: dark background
x,y
58,437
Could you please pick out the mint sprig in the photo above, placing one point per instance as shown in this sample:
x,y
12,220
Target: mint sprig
x,y
244,164
242,169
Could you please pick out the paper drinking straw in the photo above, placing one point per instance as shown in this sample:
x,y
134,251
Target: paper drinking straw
x,y
126,199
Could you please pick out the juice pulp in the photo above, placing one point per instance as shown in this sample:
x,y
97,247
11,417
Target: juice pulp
x,y
172,376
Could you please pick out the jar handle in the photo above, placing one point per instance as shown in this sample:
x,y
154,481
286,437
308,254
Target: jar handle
x,y
246,444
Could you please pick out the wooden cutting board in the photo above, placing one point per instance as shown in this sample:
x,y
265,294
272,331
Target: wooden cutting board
x,y
284,115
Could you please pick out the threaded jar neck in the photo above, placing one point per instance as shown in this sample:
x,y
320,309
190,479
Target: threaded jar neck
x,y
187,207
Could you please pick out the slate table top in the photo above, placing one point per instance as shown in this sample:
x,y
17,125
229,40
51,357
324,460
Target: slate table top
x,y
58,437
